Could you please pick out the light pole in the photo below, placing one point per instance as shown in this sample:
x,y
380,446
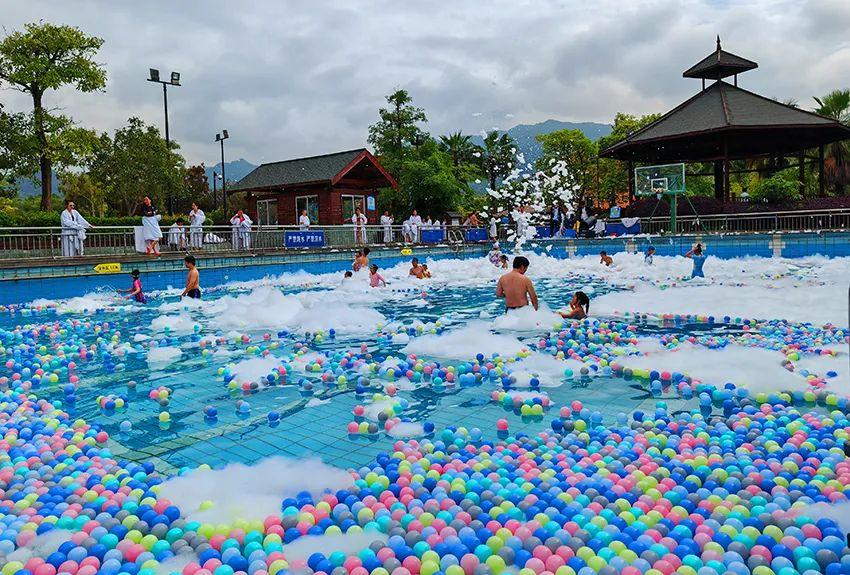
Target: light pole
x,y
175,81
221,138
215,194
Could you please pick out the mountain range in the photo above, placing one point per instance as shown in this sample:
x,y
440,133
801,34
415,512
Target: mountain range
x,y
523,135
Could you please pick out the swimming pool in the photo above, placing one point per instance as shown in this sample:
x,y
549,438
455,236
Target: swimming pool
x,y
309,365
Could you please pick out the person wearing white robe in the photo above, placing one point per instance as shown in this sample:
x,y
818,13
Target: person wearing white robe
x,y
494,232
196,227
241,225
387,222
359,221
415,224
177,235
74,228
304,221
150,221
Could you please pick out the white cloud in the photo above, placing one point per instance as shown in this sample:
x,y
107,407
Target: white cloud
x,y
301,77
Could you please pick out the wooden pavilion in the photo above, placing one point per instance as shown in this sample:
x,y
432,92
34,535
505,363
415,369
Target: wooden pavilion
x,y
723,123
329,187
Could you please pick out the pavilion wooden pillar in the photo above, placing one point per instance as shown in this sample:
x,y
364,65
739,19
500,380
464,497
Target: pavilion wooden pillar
x,y
820,171
718,180
801,175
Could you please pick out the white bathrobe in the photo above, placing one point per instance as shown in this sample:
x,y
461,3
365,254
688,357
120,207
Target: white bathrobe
x,y
74,228
359,228
387,222
415,224
177,236
196,228
303,223
151,225
241,232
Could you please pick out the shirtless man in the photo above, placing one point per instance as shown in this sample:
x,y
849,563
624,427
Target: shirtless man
x,y
193,279
515,287
415,269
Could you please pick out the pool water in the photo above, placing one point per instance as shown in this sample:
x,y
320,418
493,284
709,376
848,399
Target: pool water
x,y
315,421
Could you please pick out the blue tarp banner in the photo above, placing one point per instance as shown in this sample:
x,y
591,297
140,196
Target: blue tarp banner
x,y
308,239
429,236
476,235
618,229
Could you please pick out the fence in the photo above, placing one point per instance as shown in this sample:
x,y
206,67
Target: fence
x,y
799,221
48,242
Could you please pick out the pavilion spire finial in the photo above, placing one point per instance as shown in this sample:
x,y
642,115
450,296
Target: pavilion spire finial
x,y
718,43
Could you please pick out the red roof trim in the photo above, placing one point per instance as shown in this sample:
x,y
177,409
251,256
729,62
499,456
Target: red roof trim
x,y
365,154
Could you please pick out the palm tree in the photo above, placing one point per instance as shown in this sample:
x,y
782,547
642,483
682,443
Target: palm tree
x,y
459,147
497,157
836,105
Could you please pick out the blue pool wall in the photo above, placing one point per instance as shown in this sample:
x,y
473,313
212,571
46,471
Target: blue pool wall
x,y
18,285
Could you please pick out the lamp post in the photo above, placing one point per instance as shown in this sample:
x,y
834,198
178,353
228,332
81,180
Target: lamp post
x,y
221,138
215,193
175,81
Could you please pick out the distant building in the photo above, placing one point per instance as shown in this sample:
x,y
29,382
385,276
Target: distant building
x,y
329,187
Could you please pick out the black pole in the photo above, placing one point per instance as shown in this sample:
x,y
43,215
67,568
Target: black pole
x,y
169,198
223,179
215,194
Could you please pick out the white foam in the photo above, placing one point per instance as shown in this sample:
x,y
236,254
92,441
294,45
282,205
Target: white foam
x,y
255,369
160,357
251,492
465,343
175,324
407,430
528,319
41,546
757,369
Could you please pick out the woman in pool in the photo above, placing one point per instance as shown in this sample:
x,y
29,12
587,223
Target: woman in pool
x,y
699,259
361,260
579,306
135,292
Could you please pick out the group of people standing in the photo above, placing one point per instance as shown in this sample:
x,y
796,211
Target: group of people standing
x,y
180,236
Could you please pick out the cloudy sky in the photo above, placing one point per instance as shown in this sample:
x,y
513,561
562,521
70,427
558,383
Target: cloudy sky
x,y
290,78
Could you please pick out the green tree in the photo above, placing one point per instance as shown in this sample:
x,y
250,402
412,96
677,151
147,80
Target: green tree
x,y
614,174
465,155
136,163
570,155
46,57
498,157
397,130
88,194
429,180
196,188
836,105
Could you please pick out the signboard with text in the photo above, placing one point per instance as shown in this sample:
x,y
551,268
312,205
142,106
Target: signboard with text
x,y
304,239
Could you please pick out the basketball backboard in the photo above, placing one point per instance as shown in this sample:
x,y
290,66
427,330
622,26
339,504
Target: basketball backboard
x,y
662,179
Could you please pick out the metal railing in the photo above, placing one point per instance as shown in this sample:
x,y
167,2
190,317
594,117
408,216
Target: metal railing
x,y
50,242
798,221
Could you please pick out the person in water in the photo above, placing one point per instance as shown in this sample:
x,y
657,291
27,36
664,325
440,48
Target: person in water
x,y
579,306
426,273
361,260
375,279
650,252
515,287
135,292
193,279
415,269
604,258
503,261
699,259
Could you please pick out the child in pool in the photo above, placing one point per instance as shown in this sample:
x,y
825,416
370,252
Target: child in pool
x,y
135,292
604,258
361,260
425,272
375,279
699,259
579,306
503,259
647,259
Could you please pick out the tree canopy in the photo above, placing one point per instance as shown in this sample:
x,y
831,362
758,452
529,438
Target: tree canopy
x,y
47,57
